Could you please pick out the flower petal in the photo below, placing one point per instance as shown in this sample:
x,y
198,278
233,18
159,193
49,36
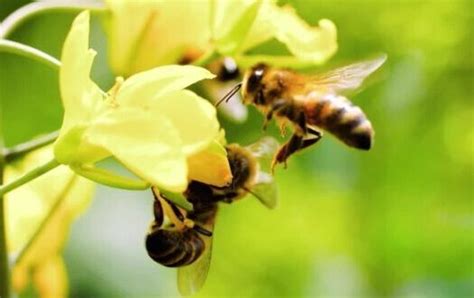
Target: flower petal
x,y
194,118
232,22
140,89
125,25
80,96
146,143
146,34
210,166
28,207
314,44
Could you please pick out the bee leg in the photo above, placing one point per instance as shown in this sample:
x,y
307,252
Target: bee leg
x,y
312,137
177,212
275,107
290,147
202,231
300,124
157,209
227,198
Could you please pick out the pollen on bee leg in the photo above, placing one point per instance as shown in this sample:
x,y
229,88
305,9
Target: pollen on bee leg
x,y
188,223
171,215
282,126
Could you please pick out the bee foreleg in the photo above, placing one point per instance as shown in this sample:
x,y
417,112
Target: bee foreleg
x,y
275,107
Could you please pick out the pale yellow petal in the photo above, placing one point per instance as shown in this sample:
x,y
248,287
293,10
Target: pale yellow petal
x,y
232,21
80,96
194,118
139,90
51,201
146,143
210,166
50,278
307,43
125,25
146,34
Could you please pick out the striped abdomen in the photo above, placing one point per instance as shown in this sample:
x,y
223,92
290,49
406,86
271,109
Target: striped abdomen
x,y
174,248
337,115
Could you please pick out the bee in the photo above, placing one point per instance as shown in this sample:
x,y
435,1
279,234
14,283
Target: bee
x,y
186,240
310,103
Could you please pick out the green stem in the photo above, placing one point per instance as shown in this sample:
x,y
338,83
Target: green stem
x,y
20,16
31,175
109,178
4,268
46,220
17,48
11,154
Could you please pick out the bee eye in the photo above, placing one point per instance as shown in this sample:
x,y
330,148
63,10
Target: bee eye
x,y
255,78
229,70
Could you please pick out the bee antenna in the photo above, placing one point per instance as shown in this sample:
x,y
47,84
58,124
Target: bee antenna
x,y
229,94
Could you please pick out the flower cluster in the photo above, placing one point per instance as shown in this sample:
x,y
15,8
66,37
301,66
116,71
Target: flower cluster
x,y
161,132
147,122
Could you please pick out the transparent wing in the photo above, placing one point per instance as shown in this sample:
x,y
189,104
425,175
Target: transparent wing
x,y
191,278
264,188
349,77
264,150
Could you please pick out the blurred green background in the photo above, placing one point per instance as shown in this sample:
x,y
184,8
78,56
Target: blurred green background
x,y
397,221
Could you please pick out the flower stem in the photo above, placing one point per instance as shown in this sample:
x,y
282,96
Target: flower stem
x,y
4,268
11,154
28,11
17,48
109,178
31,175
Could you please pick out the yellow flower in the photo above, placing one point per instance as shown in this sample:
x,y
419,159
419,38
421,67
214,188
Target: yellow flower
x,y
145,34
148,122
58,197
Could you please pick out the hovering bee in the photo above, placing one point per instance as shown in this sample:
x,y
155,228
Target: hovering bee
x,y
186,240
309,103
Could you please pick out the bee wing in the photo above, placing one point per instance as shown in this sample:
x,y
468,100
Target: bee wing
x,y
264,150
191,278
348,78
264,188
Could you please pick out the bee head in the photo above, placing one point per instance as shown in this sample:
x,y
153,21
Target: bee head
x,y
252,84
243,166
228,70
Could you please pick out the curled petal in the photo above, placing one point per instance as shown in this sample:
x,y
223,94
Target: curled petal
x,y
144,142
140,89
307,43
80,95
